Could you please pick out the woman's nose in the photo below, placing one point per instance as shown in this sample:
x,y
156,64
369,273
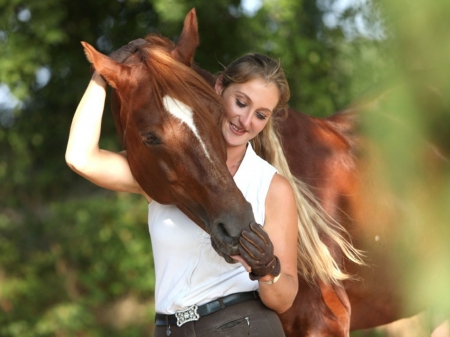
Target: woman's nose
x,y
245,119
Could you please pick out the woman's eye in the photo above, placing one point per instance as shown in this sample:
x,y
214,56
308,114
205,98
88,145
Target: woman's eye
x,y
261,116
240,104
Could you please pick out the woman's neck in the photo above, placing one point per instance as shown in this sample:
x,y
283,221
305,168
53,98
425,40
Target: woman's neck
x,y
235,155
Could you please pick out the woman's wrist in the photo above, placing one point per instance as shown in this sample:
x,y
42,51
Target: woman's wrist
x,y
269,279
273,276
97,78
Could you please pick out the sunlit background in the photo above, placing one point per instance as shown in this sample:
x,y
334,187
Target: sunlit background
x,y
76,260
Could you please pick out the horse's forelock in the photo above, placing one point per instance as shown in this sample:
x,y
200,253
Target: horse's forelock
x,y
170,77
160,41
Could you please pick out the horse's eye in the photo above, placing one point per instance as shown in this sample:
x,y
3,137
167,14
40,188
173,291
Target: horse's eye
x,y
151,139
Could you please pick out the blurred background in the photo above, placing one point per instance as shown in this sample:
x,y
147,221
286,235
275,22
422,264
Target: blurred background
x,y
76,260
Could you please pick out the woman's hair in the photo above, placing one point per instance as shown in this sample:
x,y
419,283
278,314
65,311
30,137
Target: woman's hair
x,y
313,257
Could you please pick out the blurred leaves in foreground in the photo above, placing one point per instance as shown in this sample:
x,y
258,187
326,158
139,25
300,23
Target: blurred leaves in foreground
x,y
417,147
409,127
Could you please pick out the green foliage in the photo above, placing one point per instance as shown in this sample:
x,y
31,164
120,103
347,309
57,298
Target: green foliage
x,y
74,260
368,333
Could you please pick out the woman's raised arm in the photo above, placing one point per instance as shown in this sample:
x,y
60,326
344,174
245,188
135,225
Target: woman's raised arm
x,y
104,168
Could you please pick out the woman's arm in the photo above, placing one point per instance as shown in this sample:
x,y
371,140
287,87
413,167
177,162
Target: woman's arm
x,y
281,226
83,155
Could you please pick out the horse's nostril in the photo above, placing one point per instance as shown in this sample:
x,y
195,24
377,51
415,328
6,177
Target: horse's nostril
x,y
225,232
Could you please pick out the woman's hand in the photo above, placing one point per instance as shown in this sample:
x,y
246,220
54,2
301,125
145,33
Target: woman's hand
x,y
257,251
121,54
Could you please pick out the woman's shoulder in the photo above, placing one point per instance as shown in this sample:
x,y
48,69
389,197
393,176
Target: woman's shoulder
x,y
280,203
280,186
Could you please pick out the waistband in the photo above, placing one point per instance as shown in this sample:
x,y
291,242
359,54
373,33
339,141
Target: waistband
x,y
193,313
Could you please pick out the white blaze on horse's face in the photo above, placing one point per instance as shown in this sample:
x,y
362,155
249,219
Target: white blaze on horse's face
x,y
185,114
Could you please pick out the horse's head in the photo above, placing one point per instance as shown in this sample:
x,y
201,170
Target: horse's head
x,y
168,121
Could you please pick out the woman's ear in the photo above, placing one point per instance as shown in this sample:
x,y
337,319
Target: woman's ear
x,y
218,87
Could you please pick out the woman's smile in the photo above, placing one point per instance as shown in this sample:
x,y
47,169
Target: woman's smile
x,y
236,130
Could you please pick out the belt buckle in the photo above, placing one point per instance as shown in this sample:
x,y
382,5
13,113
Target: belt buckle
x,y
187,315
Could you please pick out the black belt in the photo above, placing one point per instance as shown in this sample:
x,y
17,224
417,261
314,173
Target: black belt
x,y
194,312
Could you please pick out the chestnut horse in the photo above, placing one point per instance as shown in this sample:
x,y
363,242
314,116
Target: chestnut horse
x,y
167,113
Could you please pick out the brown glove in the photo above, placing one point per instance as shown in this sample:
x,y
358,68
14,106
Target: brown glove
x,y
257,250
121,54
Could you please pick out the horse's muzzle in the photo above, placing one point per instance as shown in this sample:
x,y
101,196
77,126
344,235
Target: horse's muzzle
x,y
224,250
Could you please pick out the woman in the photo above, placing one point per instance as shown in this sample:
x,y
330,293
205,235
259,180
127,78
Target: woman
x,y
254,90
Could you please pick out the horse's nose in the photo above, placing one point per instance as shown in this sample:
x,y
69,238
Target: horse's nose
x,y
229,231
227,235
227,227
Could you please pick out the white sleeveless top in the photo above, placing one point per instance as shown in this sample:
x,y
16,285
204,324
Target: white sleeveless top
x,y
188,270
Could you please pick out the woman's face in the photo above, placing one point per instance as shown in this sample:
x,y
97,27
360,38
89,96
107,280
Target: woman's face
x,y
248,107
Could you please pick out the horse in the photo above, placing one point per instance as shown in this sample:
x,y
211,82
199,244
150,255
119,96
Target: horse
x,y
325,153
166,113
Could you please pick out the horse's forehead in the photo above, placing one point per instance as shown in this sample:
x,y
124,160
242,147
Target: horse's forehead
x,y
185,114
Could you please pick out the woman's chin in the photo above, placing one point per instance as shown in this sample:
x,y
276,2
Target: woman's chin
x,y
235,141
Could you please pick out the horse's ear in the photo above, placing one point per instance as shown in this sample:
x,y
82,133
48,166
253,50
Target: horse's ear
x,y
188,41
112,71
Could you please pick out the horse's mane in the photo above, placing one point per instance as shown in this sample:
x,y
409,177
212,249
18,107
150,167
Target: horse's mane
x,y
171,77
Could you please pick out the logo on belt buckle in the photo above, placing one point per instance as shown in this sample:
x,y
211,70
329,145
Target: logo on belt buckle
x,y
187,315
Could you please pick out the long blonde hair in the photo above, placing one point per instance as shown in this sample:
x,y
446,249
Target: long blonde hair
x,y
314,260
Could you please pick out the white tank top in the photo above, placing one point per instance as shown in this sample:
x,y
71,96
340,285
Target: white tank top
x,y
188,270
